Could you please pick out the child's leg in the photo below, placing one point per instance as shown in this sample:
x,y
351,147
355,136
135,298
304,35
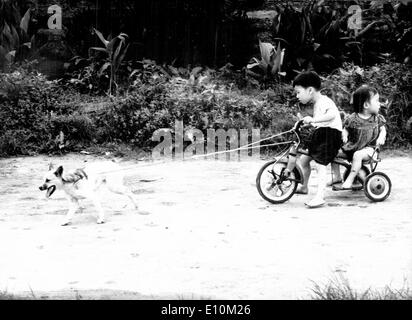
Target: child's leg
x,y
336,176
304,162
358,157
292,159
319,198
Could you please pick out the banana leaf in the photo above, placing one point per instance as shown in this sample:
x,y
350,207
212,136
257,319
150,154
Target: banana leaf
x,y
253,63
114,44
104,68
120,56
100,49
16,38
101,37
10,56
266,50
3,53
276,60
7,38
24,23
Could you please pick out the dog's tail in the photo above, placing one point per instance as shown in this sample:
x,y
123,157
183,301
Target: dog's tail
x,y
81,173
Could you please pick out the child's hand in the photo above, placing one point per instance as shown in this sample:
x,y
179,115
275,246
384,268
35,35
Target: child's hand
x,y
380,141
345,136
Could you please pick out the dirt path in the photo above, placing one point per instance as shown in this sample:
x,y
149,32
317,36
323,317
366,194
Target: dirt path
x,y
202,232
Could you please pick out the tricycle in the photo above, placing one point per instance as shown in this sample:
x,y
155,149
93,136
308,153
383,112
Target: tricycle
x,y
277,185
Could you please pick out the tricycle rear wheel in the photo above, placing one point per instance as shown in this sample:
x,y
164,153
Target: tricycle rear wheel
x,y
377,186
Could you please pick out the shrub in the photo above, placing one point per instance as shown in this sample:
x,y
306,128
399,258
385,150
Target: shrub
x,y
133,118
43,116
25,99
35,115
149,107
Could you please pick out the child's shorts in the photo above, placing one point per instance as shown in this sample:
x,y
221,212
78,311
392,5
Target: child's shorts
x,y
349,154
324,145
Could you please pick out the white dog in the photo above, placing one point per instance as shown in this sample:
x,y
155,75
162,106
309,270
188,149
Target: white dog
x,y
85,183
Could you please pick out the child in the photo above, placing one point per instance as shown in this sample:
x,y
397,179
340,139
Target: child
x,y
363,129
326,140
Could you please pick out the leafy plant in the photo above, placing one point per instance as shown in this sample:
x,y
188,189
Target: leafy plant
x,y
116,50
87,75
316,34
34,115
13,32
270,62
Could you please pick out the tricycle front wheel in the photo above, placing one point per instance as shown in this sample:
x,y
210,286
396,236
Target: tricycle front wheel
x,y
271,184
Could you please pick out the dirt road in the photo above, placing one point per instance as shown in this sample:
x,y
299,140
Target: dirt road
x,y
202,231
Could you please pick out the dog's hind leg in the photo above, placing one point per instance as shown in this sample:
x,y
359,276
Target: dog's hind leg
x,y
123,191
98,206
74,206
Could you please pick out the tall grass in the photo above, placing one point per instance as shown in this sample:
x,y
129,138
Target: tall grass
x,y
339,288
7,296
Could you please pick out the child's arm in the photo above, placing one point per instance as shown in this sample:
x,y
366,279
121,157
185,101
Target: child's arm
x,y
329,115
382,136
345,135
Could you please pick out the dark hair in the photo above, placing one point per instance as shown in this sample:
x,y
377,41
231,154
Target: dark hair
x,y
362,95
308,79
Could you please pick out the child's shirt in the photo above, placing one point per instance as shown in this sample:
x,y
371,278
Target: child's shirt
x,y
323,105
362,133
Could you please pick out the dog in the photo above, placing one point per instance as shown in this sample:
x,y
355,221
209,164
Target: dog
x,y
82,183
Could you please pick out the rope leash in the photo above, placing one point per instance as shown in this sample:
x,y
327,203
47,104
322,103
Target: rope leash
x,y
194,157
248,146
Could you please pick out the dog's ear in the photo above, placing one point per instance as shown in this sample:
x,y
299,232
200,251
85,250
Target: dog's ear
x,y
51,166
59,171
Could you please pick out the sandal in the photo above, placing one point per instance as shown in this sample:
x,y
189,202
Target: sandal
x,y
299,191
312,204
340,188
333,183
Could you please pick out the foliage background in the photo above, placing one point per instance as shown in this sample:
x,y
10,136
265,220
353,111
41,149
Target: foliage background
x,y
42,116
197,69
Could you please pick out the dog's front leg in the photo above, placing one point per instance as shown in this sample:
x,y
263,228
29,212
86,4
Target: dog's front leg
x,y
74,205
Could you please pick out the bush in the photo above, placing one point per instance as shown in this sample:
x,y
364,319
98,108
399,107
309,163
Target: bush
x,y
134,118
43,116
25,99
35,115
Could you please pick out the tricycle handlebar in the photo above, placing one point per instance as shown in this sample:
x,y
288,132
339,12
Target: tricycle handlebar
x,y
297,126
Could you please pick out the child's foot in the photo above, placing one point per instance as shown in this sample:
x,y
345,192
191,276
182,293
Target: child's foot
x,y
357,186
302,190
334,182
341,187
315,203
